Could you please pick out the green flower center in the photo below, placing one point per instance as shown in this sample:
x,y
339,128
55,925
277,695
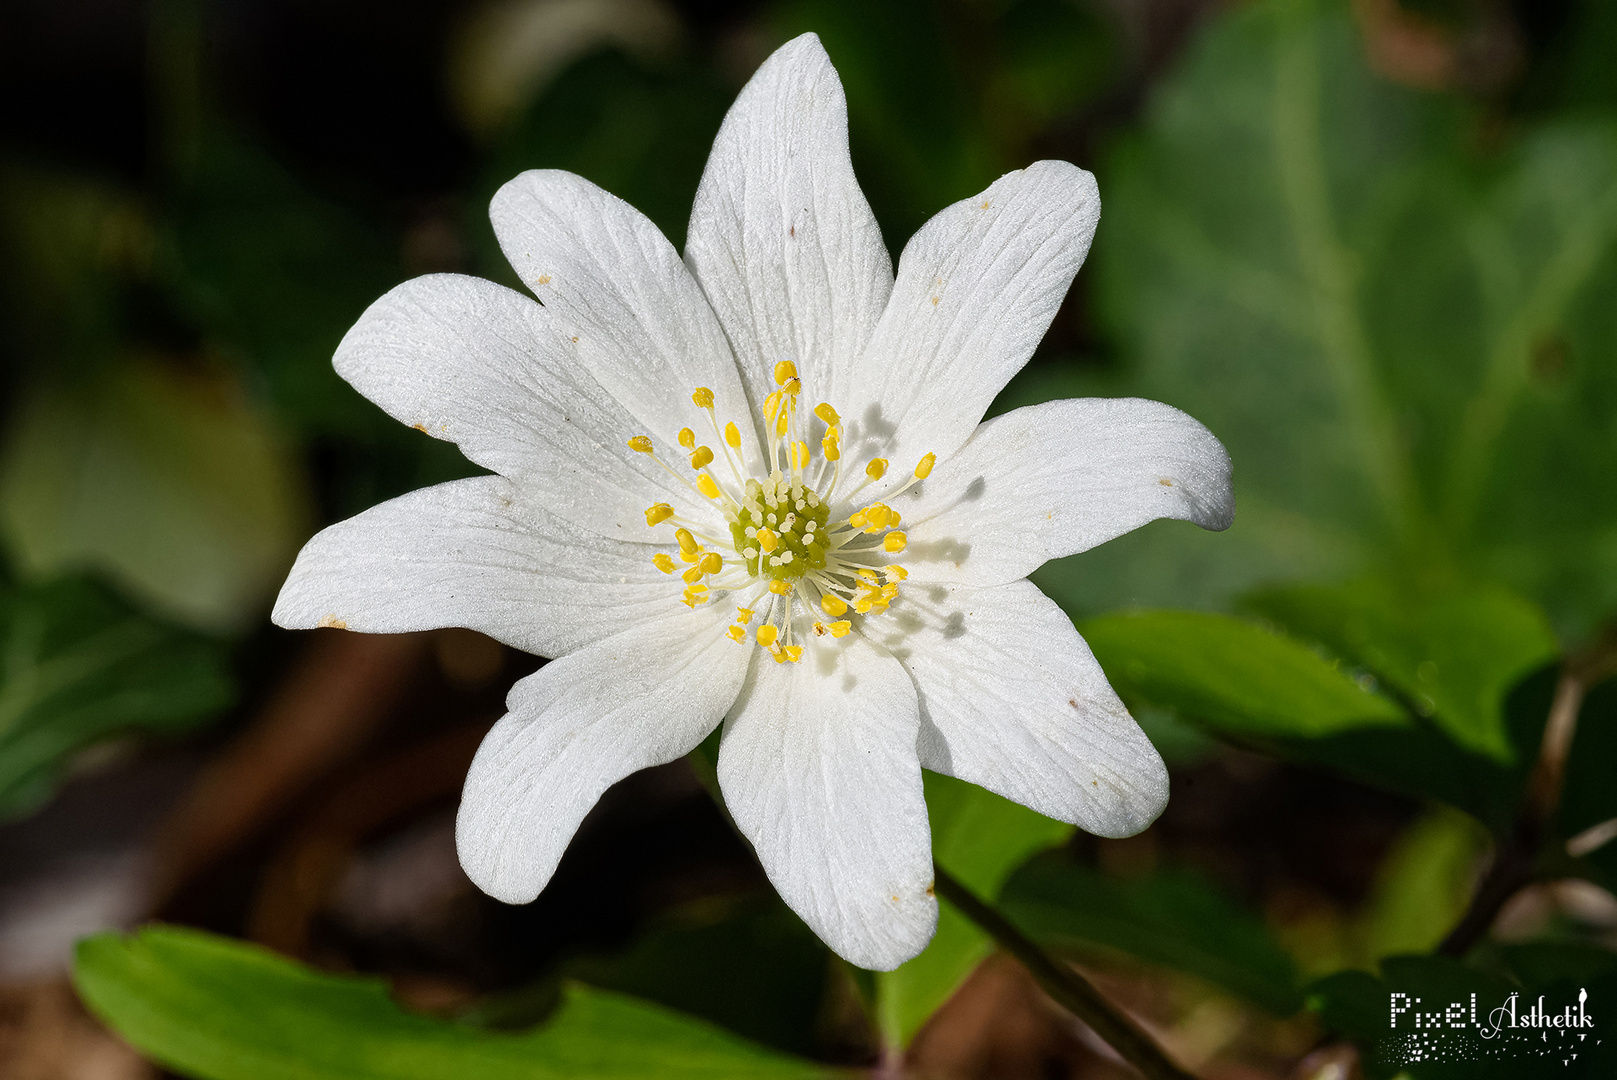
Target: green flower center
x,y
779,528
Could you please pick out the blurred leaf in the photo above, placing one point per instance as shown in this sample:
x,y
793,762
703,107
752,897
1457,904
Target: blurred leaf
x,y
77,666
1055,56
1589,789
1453,655
1234,676
222,1010
980,838
1172,917
754,969
167,480
918,134
643,134
1424,884
1405,342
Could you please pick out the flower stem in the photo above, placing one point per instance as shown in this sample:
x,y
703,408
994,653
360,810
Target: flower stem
x,y
1070,990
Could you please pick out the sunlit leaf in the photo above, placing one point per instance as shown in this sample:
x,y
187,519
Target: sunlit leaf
x,y
1454,655
1231,675
77,666
216,1009
1171,917
980,838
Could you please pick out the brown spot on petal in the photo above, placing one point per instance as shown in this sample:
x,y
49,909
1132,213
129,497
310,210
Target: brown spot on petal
x,y
934,301
1073,702
544,279
931,890
332,622
421,428
792,231
1165,482
895,899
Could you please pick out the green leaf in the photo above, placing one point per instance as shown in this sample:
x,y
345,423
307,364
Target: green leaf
x,y
1234,676
77,666
980,838
1424,884
217,1009
1173,917
167,480
1404,339
1453,655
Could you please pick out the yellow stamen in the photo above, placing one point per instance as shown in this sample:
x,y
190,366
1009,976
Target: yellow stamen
x,y
703,397
687,437
800,454
780,422
780,588
687,543
896,572
894,543
829,447
833,605
794,653
767,541
693,575
743,615
771,404
877,468
792,388
877,515
657,513
825,412
663,562
640,444
701,457
839,629
711,563
767,635
732,435
857,519
784,371
924,468
707,486
736,633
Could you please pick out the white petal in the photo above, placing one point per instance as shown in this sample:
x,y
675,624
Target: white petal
x,y
485,367
579,725
637,320
977,287
819,771
781,237
1013,700
476,553
1053,479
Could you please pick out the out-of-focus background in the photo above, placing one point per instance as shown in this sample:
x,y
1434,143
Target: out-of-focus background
x,y
1371,245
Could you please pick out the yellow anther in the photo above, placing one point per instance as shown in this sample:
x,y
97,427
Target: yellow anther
x,y
877,514
794,653
780,422
833,605
736,633
784,371
889,590
865,574
923,468
707,486
658,512
800,454
663,563
693,575
792,388
896,572
767,541
687,542
701,457
780,588
732,435
703,397
839,629
825,412
687,437
857,519
743,615
767,635
640,444
877,468
696,589
711,563
894,543
772,404
829,447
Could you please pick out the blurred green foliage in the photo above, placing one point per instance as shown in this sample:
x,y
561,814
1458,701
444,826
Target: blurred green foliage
x,y
223,1010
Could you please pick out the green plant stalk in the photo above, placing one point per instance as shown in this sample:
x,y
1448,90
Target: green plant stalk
x,y
1066,986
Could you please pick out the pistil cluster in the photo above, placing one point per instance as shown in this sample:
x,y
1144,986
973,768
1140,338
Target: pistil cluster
x,y
788,544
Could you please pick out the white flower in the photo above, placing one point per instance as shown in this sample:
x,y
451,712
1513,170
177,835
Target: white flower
x,y
693,512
